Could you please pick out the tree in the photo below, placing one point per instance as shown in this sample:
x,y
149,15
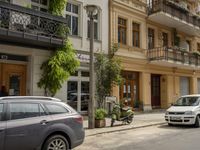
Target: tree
x,y
57,69
108,74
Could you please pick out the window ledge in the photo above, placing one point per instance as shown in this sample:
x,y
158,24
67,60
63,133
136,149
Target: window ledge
x,y
95,40
75,36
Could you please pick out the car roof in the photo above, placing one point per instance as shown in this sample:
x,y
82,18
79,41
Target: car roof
x,y
29,97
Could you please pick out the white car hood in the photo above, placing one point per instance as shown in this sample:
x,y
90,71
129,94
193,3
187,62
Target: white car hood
x,y
181,108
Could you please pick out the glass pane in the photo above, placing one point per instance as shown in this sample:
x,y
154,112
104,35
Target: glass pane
x,y
43,2
75,9
68,17
74,25
68,7
42,112
43,9
96,30
72,92
14,87
23,110
84,96
85,74
1,111
56,109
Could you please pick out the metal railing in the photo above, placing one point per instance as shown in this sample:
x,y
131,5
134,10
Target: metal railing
x,y
173,54
175,10
21,19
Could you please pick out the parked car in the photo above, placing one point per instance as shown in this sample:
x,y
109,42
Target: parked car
x,y
41,123
186,110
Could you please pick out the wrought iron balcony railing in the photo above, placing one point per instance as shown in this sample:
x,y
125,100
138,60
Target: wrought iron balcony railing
x,y
172,8
173,55
21,22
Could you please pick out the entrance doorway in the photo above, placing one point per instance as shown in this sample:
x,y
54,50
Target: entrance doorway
x,y
127,92
155,91
13,77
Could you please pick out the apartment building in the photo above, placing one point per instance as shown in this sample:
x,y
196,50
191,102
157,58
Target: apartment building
x,y
159,43
28,37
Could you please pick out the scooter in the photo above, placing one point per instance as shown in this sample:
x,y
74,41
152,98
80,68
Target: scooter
x,y
121,113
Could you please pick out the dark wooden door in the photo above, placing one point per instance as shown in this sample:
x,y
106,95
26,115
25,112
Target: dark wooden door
x,y
155,91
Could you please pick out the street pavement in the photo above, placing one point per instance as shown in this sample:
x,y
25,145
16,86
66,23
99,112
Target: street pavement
x,y
140,120
158,137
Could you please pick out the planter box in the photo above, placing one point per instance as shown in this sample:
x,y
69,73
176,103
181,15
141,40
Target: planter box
x,y
100,123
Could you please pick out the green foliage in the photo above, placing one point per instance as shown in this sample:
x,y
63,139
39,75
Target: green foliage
x,y
108,73
56,7
57,69
100,114
63,31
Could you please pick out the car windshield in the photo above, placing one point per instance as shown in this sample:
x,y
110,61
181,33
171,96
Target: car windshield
x,y
187,101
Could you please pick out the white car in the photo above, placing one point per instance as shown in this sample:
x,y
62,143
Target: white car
x,y
186,110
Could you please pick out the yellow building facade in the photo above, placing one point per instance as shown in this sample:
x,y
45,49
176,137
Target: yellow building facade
x,y
159,47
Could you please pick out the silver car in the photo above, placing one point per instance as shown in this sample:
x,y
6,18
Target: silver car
x,y
39,123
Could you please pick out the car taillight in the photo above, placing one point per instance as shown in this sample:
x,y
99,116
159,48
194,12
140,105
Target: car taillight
x,y
79,119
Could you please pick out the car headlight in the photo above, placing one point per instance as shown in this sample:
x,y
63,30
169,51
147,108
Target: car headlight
x,y
166,113
188,113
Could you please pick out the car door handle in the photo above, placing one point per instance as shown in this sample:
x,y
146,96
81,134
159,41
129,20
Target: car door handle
x,y
43,122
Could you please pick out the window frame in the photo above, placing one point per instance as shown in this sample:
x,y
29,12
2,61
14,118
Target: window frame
x,y
3,117
134,31
40,6
24,102
97,21
122,28
151,34
49,113
71,14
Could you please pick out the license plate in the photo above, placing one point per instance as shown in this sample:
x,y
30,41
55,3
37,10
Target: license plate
x,y
175,118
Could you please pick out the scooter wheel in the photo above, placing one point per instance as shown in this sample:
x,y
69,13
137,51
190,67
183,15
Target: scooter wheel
x,y
130,119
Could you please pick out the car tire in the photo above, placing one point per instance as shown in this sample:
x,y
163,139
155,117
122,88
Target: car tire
x,y
197,122
170,124
51,143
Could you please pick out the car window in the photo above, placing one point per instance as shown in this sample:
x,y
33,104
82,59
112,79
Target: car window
x,y
24,110
1,111
56,109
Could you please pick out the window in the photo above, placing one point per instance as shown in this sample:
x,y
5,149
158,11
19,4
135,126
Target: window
x,y
72,16
121,31
165,39
56,109
41,5
198,47
96,20
1,111
72,92
136,35
150,38
24,110
84,95
85,74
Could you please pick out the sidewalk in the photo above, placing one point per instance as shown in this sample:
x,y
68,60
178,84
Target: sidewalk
x,y
140,120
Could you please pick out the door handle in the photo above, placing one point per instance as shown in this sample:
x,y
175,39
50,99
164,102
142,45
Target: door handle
x,y
43,122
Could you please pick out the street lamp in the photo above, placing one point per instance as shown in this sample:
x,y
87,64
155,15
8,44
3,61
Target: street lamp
x,y
92,11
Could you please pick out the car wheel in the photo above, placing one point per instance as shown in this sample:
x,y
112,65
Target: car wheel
x,y
56,142
169,124
197,122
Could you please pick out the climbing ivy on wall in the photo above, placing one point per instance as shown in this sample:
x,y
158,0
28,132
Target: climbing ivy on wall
x,y
56,7
63,62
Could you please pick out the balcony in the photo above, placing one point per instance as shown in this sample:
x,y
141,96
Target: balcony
x,y
29,27
173,57
171,14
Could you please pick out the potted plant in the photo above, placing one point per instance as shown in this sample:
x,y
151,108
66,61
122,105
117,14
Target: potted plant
x,y
100,115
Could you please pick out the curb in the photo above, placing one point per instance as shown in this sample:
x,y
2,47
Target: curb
x,y
130,128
